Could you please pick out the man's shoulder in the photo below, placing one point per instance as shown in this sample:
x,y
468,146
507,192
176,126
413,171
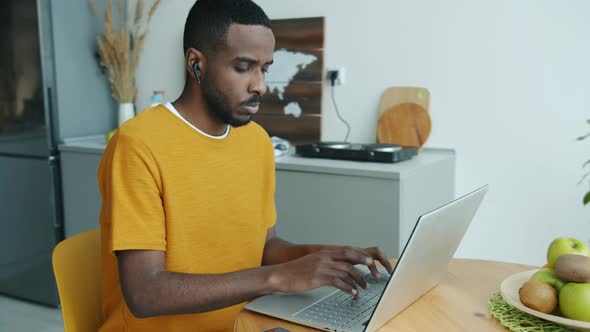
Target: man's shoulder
x,y
146,121
150,124
137,136
256,130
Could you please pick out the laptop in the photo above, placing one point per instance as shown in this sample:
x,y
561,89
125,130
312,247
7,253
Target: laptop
x,y
421,266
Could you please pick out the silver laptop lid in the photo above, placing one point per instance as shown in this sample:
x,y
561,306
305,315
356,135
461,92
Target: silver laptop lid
x,y
425,258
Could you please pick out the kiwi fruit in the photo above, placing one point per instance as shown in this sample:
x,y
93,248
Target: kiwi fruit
x,y
573,268
539,296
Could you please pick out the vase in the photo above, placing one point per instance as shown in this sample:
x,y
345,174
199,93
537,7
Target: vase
x,y
126,112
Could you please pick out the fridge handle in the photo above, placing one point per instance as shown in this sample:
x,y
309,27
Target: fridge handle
x,y
56,200
50,123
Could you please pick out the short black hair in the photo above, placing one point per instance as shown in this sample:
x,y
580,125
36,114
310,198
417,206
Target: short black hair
x,y
208,22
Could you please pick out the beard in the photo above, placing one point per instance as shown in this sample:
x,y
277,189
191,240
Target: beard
x,y
218,105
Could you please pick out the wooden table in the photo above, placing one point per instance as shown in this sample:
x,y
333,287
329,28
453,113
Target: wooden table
x,y
458,303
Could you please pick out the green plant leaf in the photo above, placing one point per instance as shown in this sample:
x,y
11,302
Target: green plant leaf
x,y
586,163
587,198
584,177
588,121
581,138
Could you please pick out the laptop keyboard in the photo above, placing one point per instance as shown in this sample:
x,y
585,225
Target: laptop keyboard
x,y
341,310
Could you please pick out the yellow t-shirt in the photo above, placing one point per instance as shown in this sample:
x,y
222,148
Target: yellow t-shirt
x,y
206,202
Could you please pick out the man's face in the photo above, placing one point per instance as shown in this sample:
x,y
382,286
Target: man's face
x,y
234,84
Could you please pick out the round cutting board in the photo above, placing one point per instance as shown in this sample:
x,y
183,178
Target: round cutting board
x,y
406,124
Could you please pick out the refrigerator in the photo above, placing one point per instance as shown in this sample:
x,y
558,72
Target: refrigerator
x,y
47,71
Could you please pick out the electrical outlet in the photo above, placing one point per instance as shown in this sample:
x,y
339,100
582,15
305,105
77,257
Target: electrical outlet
x,y
340,74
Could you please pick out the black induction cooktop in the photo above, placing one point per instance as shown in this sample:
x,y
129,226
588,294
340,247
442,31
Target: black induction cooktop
x,y
383,153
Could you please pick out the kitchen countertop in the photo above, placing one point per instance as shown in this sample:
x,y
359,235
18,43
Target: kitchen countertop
x,y
97,144
90,144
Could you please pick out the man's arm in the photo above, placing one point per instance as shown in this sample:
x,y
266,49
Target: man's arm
x,y
150,290
277,251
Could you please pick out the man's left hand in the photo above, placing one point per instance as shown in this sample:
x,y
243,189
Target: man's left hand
x,y
373,252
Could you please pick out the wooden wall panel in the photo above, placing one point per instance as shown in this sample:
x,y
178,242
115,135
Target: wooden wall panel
x,y
292,107
308,96
299,33
305,129
312,73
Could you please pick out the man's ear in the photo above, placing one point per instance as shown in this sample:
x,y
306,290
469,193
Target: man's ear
x,y
195,59
197,71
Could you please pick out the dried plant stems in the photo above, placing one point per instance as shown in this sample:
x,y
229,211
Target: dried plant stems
x,y
120,45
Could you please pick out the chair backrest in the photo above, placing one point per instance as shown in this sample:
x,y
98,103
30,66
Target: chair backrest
x,y
76,264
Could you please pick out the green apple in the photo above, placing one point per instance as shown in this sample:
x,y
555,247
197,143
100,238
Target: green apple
x,y
574,301
565,245
110,134
548,276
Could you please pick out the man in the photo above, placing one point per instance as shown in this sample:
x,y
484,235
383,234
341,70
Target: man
x,y
188,193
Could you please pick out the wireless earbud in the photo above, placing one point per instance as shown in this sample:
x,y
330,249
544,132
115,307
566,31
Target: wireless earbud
x,y
197,71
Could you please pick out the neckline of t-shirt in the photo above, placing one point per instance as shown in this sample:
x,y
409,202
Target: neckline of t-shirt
x,y
174,111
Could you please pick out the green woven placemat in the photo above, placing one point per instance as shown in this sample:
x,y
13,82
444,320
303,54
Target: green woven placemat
x,y
518,321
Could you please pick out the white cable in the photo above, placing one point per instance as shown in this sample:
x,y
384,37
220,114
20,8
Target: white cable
x,y
339,116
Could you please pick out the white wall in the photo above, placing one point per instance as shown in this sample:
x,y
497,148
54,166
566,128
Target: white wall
x,y
508,79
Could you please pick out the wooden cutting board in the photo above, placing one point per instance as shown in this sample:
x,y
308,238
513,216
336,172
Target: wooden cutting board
x,y
403,116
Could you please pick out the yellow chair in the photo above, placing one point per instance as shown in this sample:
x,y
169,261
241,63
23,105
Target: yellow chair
x,y
76,264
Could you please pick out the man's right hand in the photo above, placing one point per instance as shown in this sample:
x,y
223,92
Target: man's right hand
x,y
323,268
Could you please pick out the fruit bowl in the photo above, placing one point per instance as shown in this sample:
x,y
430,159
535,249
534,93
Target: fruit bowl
x,y
509,291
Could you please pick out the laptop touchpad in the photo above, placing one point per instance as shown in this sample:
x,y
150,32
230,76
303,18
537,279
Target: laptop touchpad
x,y
289,304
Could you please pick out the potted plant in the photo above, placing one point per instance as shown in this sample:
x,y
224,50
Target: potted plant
x,y
586,199
120,46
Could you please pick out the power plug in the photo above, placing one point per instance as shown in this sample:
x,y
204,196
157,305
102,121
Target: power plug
x,y
336,76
